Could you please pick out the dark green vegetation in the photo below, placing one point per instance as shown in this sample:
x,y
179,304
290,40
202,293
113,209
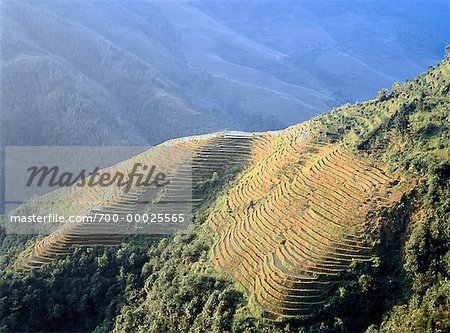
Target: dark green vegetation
x,y
168,285
408,130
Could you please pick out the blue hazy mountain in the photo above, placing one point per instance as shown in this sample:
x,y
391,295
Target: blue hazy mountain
x,y
142,72
346,49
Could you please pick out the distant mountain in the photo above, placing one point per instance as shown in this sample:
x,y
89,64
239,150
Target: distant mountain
x,y
347,49
95,72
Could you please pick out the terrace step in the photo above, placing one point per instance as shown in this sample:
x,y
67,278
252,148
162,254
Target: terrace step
x,y
294,220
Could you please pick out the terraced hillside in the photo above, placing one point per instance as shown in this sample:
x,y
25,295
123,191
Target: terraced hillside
x,y
300,207
295,217
190,161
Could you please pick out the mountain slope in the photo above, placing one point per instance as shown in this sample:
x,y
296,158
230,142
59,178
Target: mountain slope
x,y
120,81
190,68
350,49
294,219
307,223
297,218
137,73
403,287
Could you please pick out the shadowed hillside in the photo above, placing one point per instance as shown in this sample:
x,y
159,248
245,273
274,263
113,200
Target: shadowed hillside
x,y
150,71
